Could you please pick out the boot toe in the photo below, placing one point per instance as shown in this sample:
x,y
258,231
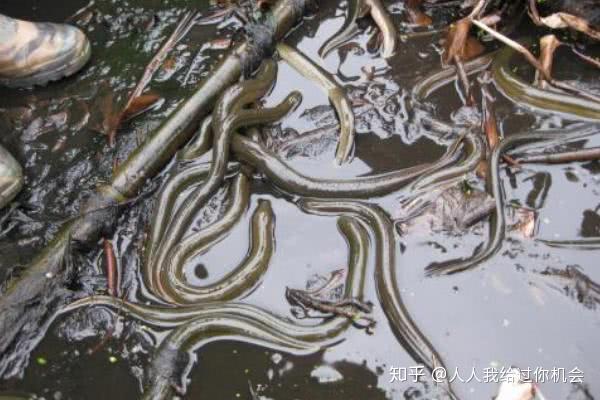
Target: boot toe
x,y
53,52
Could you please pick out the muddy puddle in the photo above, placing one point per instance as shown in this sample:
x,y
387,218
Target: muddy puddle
x,y
530,305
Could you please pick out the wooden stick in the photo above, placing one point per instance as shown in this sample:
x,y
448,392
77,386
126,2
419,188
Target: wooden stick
x,y
563,157
111,269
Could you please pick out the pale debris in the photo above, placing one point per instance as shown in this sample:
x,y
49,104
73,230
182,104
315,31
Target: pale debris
x,y
513,388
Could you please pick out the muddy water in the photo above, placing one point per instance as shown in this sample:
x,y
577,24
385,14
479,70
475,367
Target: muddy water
x,y
504,313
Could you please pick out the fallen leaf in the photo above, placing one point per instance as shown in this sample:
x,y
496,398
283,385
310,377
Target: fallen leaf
x,y
107,117
548,45
416,15
139,105
459,44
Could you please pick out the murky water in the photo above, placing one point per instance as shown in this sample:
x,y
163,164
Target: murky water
x,y
504,313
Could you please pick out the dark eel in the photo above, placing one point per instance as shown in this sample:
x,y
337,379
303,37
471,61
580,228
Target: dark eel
x,y
242,279
293,182
434,81
403,326
592,243
191,174
348,30
497,227
200,324
336,93
522,93
227,118
200,143
475,152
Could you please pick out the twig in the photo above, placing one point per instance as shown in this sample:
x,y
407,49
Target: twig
x,y
109,334
564,157
183,27
534,13
514,45
464,81
548,45
111,268
590,60
489,123
77,13
110,331
478,9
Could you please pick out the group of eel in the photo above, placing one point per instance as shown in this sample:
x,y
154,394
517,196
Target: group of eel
x,y
226,152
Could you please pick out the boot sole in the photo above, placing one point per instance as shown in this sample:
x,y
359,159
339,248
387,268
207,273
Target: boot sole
x,y
59,71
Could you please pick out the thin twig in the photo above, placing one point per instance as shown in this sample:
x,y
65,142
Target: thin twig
x,y
534,13
464,81
563,157
590,60
183,27
111,268
514,45
77,13
478,9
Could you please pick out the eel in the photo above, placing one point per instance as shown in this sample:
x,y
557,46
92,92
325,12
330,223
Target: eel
x,y
498,221
475,152
356,10
403,326
201,324
337,96
241,280
200,144
439,78
193,173
591,243
348,30
229,115
386,26
293,182
548,101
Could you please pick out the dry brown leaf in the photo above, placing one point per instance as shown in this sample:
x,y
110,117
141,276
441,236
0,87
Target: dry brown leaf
x,y
548,45
416,15
139,105
459,44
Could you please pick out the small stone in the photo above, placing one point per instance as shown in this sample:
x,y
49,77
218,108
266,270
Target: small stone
x,y
276,358
326,374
